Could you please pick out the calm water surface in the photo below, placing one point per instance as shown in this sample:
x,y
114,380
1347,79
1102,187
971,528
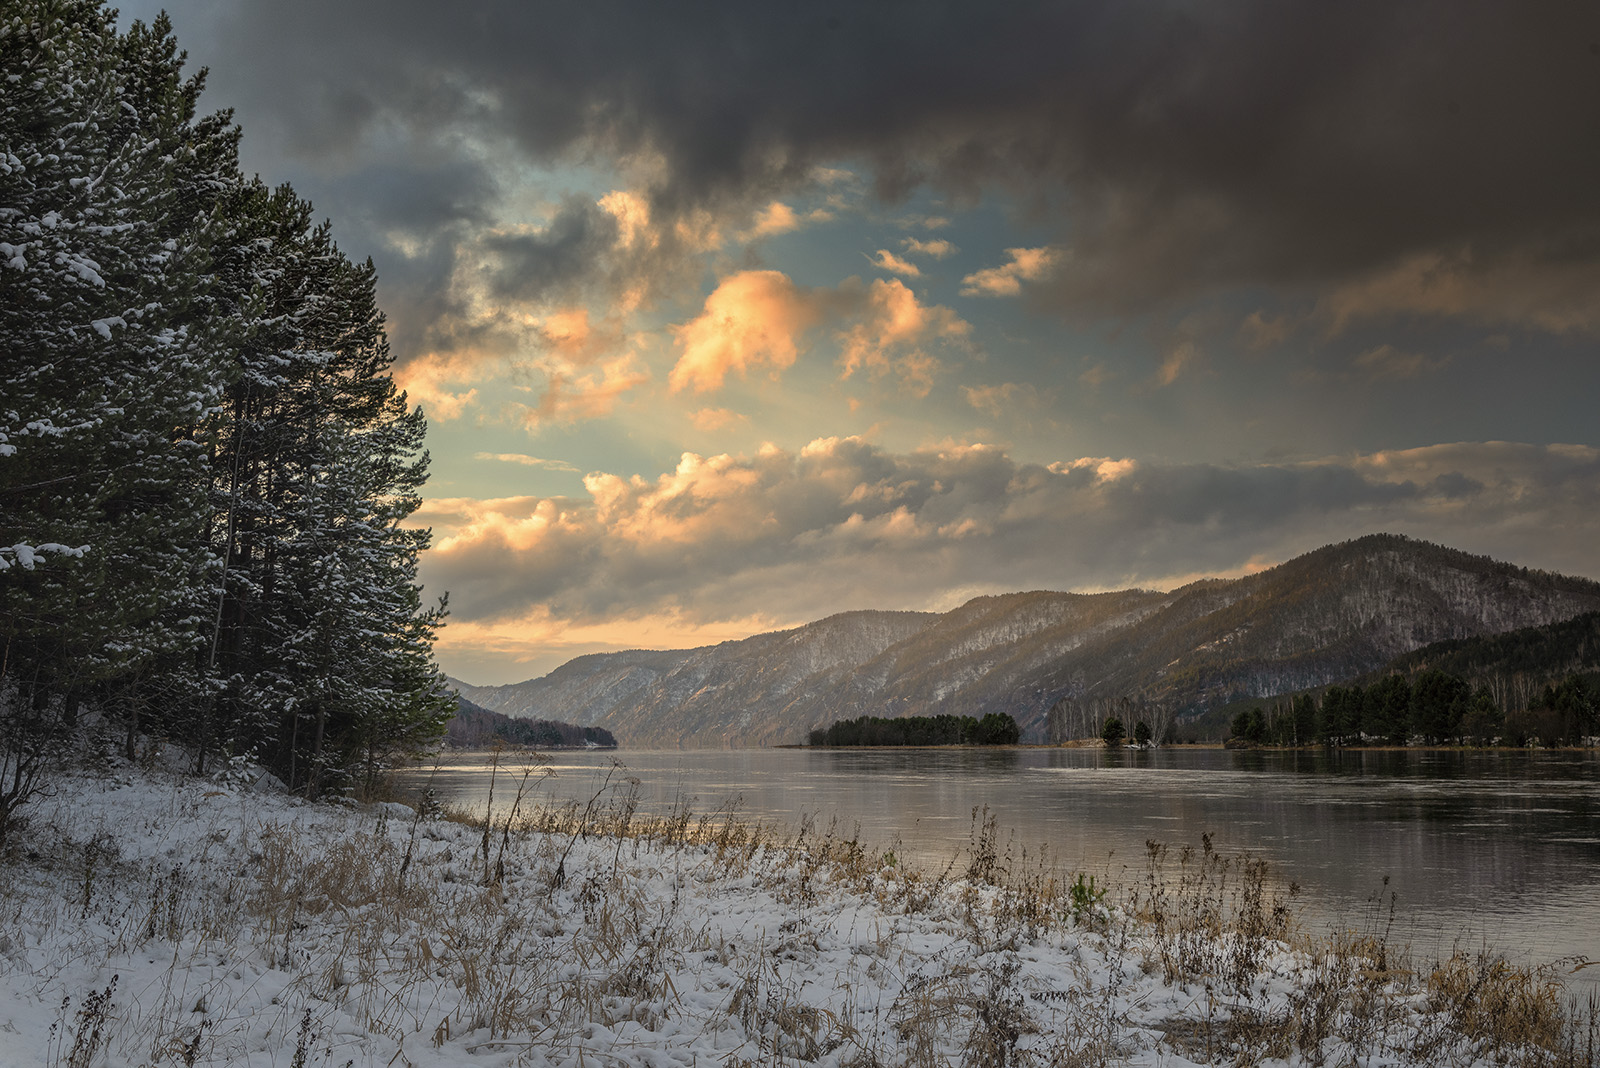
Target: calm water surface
x,y
1492,847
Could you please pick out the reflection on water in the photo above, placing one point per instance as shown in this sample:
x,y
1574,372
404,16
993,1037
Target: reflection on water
x,y
1498,846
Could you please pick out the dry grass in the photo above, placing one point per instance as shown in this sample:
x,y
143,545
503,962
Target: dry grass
x,y
540,933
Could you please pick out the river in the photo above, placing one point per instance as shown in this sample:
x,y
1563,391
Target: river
x,y
1498,848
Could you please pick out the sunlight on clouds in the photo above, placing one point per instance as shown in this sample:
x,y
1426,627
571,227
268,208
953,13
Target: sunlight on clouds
x,y
539,636
892,327
997,400
885,260
632,213
710,419
444,383
752,319
1027,265
759,319
527,461
938,248
1104,468
1181,356
779,218
569,334
1095,376
569,397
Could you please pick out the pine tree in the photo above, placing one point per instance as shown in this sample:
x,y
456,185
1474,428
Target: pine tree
x,y
321,646
108,370
205,467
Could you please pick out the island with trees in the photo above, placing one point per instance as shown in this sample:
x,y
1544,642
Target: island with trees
x,y
994,728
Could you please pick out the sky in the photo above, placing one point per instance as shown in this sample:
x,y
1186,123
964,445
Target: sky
x,y
727,317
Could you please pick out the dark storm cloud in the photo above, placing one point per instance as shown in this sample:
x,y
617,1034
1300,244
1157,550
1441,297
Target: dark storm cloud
x,y
1178,147
548,262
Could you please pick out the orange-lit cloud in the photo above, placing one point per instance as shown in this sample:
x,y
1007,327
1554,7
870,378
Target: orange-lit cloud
x,y
444,383
752,319
711,419
1027,265
997,400
891,333
779,218
885,260
761,319
569,396
526,461
1179,357
938,248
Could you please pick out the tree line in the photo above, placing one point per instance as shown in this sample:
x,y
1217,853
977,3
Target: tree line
x,y
994,728
205,464
473,727
1436,708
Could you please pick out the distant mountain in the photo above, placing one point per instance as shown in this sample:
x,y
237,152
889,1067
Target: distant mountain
x,y
1057,661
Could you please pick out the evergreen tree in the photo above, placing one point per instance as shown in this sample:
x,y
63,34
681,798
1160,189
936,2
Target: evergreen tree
x,y
1388,709
322,649
1112,732
205,466
102,477
1438,705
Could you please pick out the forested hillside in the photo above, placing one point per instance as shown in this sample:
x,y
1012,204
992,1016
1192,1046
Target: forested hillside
x,y
1534,684
473,727
204,461
1060,664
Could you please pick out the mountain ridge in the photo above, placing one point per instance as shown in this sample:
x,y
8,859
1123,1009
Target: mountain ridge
x,y
1057,661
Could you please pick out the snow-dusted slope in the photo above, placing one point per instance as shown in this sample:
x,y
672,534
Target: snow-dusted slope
x,y
1326,616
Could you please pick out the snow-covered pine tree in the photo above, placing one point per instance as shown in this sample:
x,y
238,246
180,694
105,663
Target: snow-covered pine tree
x,y
108,367
323,648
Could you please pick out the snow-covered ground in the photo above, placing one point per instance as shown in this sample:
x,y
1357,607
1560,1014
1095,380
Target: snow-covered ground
x,y
150,918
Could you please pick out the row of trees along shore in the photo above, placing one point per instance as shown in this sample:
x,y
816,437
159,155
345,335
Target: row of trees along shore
x,y
205,464
1437,708
994,728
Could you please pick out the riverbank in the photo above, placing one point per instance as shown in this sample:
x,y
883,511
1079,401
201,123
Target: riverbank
x,y
153,918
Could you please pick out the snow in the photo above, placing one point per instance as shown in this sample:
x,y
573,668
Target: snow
x,y
150,917
28,555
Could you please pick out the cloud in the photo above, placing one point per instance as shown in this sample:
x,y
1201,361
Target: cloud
x,y
712,419
938,248
885,260
570,396
1180,356
760,318
1027,265
891,332
571,335
1262,331
1555,295
1095,375
1184,149
843,524
779,218
527,461
442,382
752,319
1389,364
998,400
